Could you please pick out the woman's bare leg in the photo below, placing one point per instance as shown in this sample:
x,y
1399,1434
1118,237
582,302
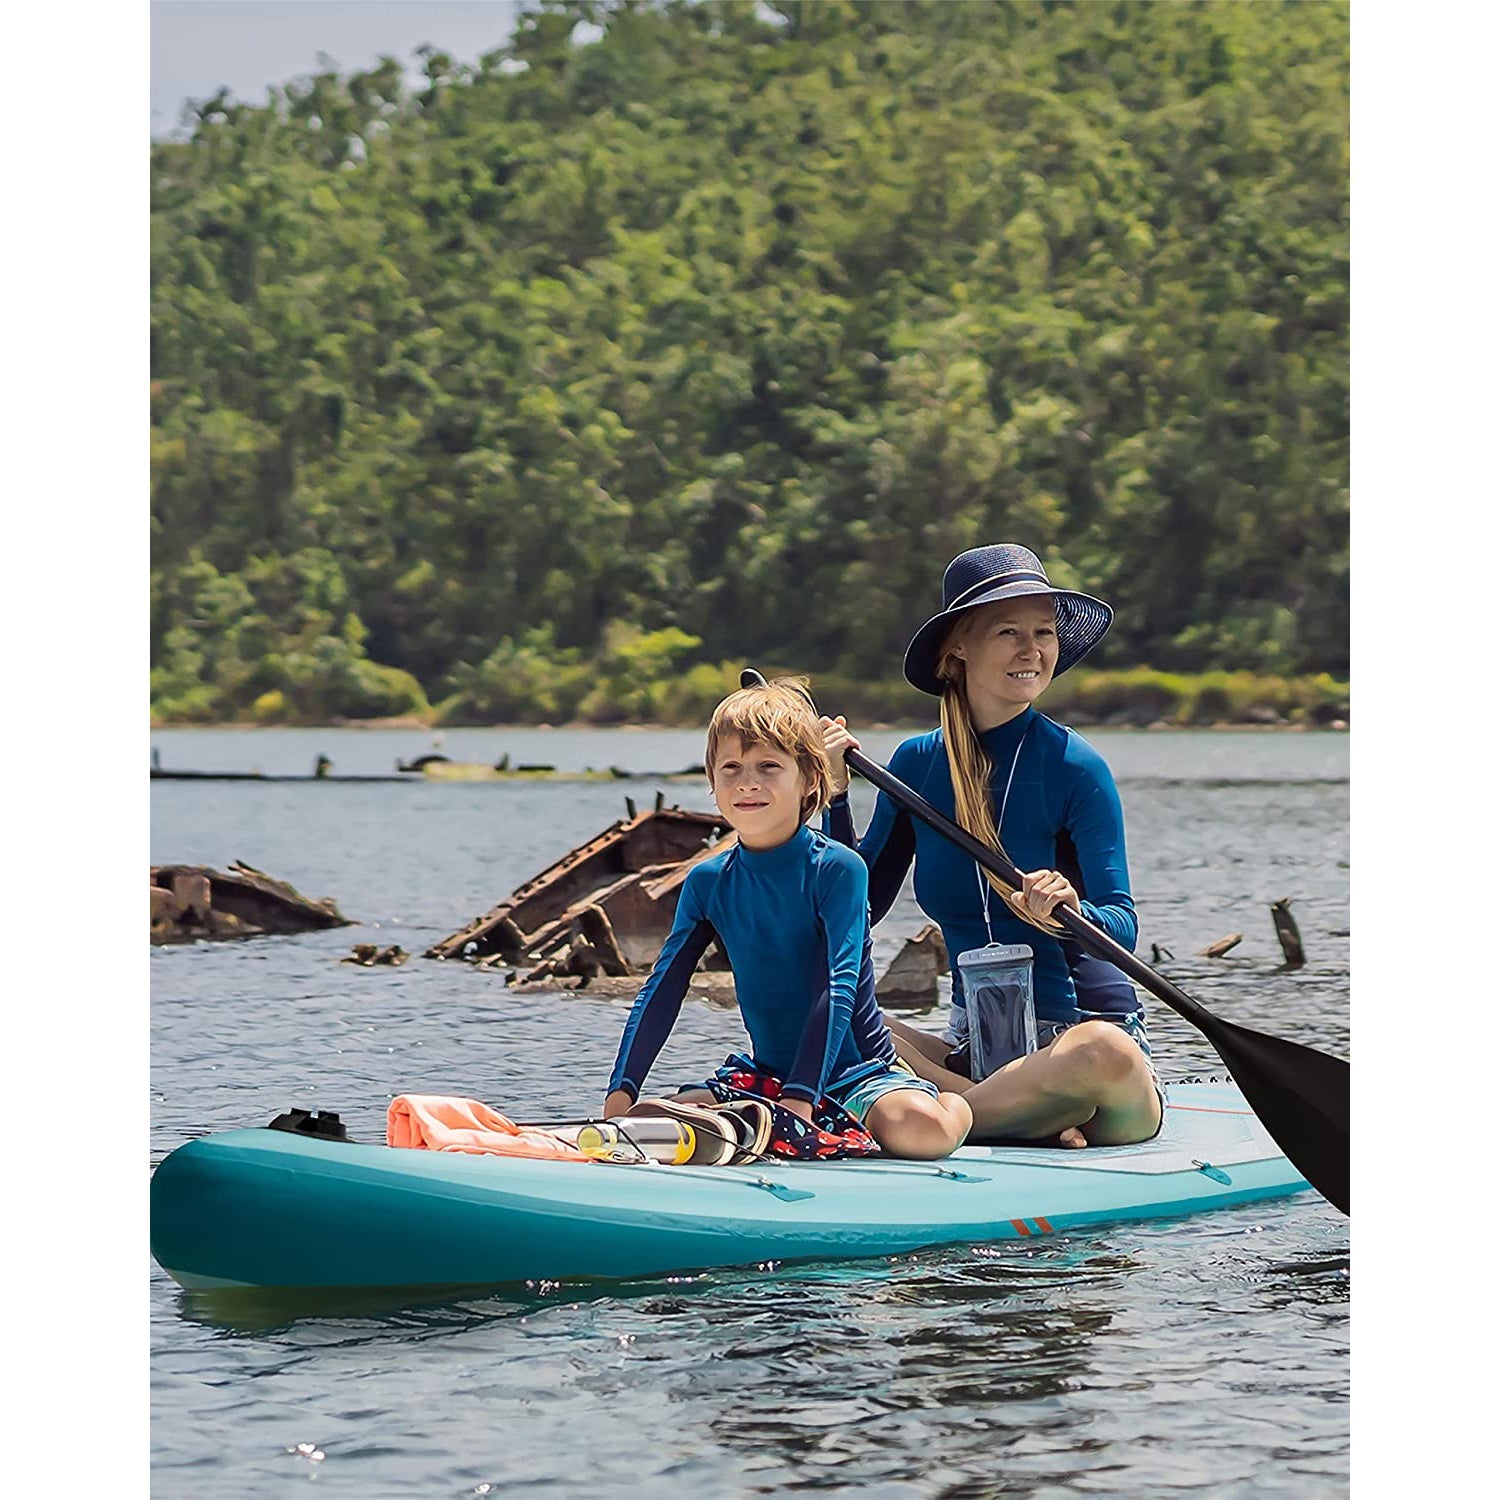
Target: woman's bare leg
x,y
1093,1084
932,1051
1093,1077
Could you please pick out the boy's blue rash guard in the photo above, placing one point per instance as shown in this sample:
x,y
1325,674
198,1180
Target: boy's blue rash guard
x,y
1063,814
795,923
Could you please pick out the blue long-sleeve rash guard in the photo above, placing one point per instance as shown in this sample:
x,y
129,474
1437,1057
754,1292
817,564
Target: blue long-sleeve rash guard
x,y
1063,814
795,924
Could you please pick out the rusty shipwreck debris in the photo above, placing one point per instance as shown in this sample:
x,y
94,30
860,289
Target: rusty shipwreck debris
x,y
189,902
371,955
598,917
437,767
617,893
322,771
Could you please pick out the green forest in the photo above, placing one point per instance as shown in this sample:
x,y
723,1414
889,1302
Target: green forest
x,y
557,386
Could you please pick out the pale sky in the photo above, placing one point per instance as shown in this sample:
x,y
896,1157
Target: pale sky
x,y
248,45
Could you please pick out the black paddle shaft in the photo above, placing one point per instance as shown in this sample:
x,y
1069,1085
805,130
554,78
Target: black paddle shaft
x,y
1078,927
1301,1095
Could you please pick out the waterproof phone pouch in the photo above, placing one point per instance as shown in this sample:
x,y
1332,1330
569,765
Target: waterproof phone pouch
x,y
1002,1011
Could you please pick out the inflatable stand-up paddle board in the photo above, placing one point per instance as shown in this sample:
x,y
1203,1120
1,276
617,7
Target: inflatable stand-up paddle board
x,y
274,1209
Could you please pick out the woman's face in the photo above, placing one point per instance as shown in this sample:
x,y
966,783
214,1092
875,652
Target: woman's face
x,y
1009,650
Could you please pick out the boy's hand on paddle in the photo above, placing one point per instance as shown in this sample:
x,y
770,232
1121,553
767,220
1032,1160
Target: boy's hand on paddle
x,y
836,740
1041,891
802,1108
616,1103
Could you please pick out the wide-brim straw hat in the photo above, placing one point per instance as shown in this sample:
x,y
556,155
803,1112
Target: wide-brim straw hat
x,y
985,575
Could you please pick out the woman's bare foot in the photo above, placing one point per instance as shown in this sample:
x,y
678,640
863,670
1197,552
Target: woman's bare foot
x,y
1072,1137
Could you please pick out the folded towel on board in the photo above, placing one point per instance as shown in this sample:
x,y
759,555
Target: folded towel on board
x,y
441,1122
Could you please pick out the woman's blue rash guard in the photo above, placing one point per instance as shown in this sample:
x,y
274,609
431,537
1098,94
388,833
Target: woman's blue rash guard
x,y
795,923
1063,814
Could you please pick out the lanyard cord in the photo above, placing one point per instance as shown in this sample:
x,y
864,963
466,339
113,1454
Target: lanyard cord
x,y
984,887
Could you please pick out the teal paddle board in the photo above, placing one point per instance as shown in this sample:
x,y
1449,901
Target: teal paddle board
x,y
267,1208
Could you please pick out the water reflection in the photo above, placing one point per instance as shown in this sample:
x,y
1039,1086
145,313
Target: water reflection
x,y
400,1310
992,1366
973,1274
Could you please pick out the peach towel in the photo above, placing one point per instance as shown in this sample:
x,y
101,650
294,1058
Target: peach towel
x,y
441,1122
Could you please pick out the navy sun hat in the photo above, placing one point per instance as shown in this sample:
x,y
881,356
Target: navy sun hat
x,y
983,575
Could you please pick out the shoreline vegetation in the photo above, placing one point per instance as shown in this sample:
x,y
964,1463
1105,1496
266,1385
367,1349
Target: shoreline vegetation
x,y
1139,698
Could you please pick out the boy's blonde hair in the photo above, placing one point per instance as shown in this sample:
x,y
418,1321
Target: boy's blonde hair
x,y
780,714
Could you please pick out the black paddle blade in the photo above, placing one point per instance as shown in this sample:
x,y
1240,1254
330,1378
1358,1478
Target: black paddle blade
x,y
1301,1097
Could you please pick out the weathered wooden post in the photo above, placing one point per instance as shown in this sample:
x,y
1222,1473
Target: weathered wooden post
x,y
1287,934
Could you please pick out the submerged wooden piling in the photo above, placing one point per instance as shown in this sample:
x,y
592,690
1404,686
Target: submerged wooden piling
x,y
1287,934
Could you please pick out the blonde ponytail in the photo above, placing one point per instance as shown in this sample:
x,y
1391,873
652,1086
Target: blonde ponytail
x,y
970,770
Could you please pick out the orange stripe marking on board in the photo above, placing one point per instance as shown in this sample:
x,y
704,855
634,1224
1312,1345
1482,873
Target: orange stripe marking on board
x,y
1043,1226
1020,1226
1203,1109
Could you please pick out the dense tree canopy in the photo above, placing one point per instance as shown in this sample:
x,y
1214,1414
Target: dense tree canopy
x,y
558,379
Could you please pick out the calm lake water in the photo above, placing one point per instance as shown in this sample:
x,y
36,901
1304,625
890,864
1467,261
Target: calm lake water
x,y
1208,1356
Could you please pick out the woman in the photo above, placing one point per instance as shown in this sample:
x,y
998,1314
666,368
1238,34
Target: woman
x,y
1010,775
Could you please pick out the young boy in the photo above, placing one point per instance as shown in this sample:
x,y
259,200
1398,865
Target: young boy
x,y
791,909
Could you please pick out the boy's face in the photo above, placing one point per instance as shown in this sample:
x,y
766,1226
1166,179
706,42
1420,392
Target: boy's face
x,y
759,790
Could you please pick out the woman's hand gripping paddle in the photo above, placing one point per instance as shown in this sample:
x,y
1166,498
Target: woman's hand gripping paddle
x,y
1301,1095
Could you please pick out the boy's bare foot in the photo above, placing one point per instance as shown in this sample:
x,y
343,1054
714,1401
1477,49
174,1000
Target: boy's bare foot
x,y
1072,1137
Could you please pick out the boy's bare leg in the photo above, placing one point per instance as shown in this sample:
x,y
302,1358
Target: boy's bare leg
x,y
906,1122
910,1123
